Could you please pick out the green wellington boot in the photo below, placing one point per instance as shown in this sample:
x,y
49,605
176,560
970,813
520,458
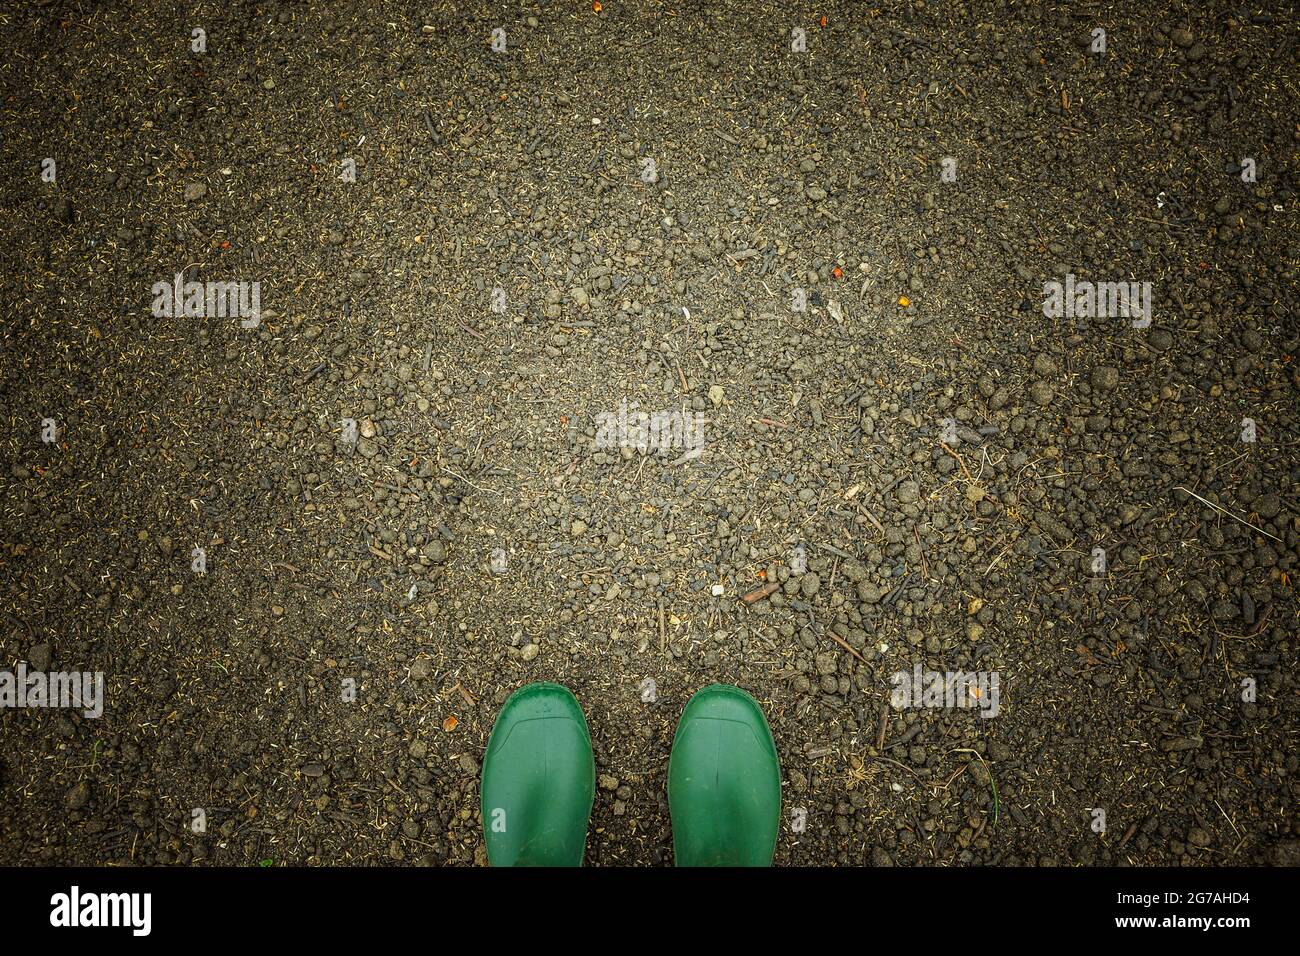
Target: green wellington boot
x,y
539,780
724,781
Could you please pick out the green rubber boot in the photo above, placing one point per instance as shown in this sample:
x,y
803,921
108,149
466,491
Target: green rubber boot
x,y
539,780
724,782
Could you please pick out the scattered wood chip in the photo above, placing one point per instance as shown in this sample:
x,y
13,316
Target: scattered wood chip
x,y
760,593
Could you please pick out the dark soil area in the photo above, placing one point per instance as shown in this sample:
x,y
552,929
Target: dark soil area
x,y
651,185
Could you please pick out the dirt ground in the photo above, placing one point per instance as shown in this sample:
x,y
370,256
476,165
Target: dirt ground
x,y
921,462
